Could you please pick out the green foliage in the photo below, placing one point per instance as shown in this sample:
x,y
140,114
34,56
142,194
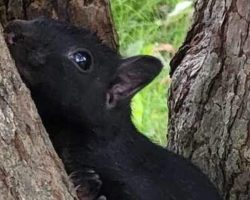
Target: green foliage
x,y
142,27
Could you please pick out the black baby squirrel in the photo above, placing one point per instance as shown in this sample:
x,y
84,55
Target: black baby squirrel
x,y
82,90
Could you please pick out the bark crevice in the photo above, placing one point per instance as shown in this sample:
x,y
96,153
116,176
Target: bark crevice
x,y
210,80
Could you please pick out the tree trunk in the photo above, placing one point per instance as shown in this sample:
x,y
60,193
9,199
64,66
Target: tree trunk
x,y
29,167
210,95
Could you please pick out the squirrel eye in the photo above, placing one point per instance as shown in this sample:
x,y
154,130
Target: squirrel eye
x,y
82,59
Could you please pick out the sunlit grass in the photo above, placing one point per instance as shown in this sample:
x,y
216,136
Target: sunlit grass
x,y
154,27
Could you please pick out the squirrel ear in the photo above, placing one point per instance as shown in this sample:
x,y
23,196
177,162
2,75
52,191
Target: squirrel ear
x,y
133,74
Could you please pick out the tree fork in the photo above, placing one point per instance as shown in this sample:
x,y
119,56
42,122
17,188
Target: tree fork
x,y
93,14
29,166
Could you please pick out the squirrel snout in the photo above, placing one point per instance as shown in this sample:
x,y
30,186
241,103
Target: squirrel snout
x,y
15,31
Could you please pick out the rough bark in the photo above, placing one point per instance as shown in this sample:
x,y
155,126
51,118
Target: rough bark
x,y
29,167
210,95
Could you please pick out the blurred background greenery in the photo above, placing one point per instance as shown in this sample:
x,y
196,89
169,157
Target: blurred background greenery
x,y
153,27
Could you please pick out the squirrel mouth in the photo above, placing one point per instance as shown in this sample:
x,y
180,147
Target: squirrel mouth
x,y
12,38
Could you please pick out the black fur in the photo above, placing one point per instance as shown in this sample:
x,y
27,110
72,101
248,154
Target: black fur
x,y
87,113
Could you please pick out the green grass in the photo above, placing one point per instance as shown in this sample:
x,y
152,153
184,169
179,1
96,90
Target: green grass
x,y
142,26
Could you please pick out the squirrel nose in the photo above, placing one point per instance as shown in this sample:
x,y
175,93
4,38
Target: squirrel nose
x,y
10,38
13,32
